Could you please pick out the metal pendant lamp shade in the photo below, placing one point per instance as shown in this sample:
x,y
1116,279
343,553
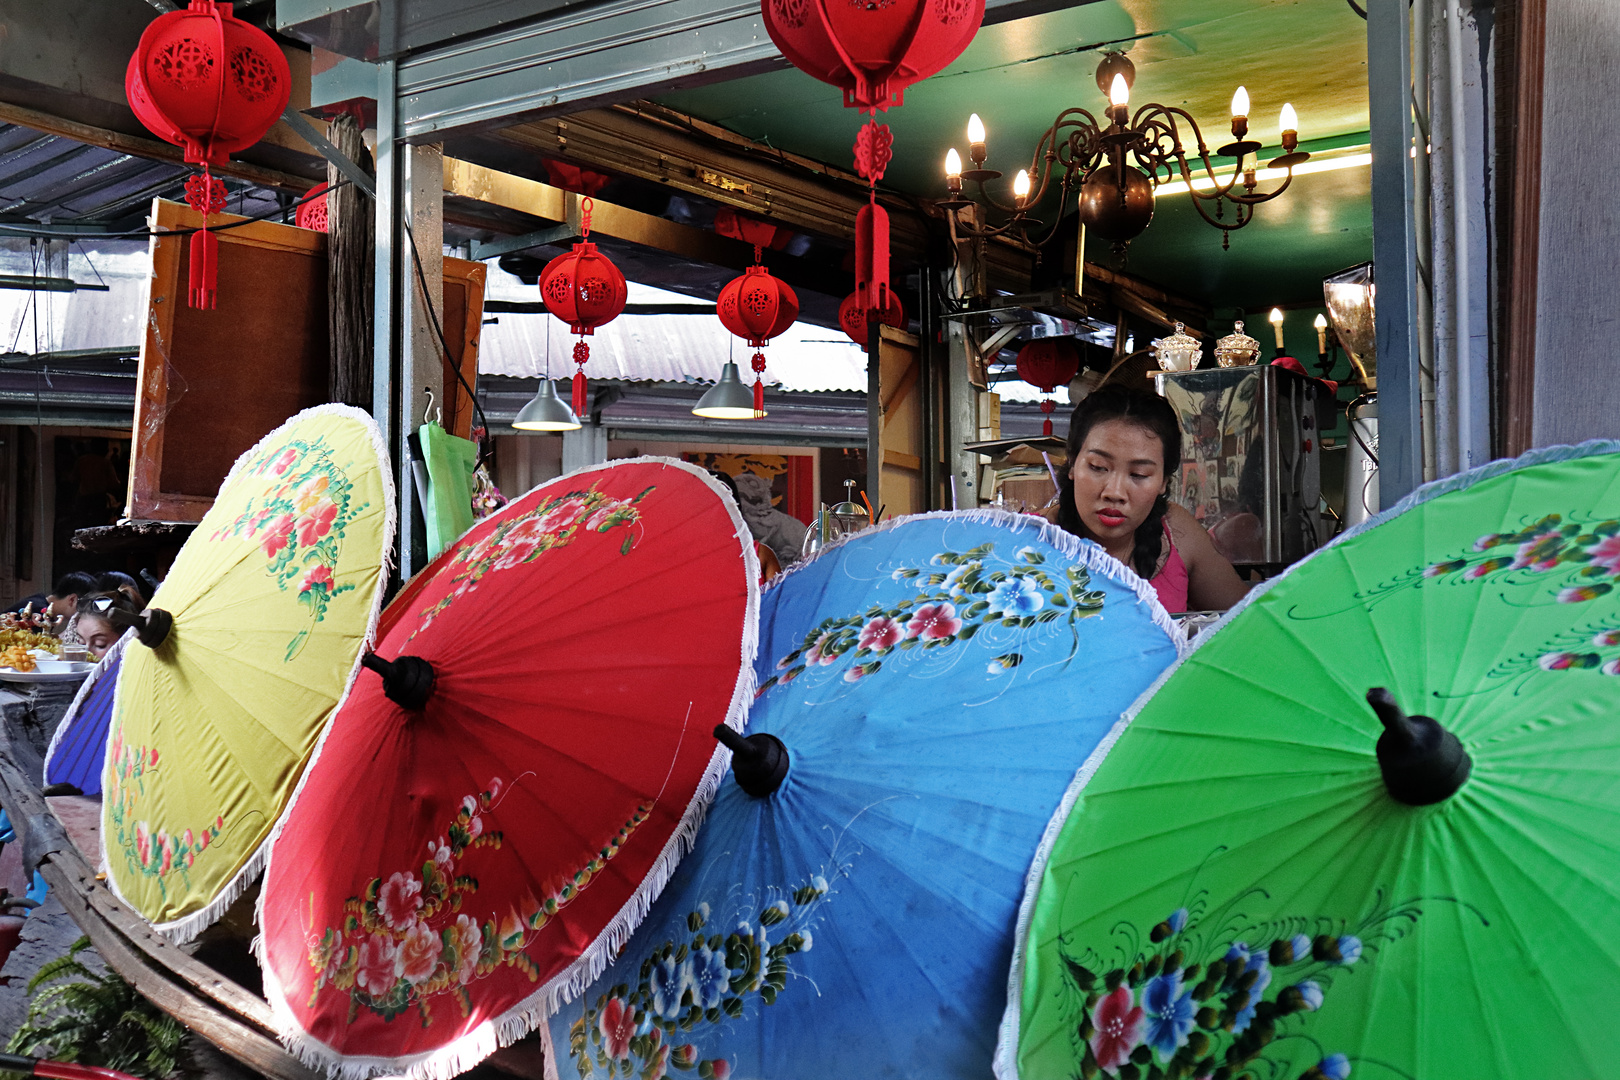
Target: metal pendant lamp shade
x,y
728,399
546,412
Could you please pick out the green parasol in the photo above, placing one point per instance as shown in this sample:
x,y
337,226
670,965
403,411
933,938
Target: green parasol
x,y
1238,885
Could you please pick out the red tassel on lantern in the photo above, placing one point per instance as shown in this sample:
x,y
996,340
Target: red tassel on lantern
x,y
757,307
1049,363
585,290
212,84
872,257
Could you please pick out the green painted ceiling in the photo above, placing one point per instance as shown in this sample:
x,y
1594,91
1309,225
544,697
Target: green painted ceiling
x,y
1190,53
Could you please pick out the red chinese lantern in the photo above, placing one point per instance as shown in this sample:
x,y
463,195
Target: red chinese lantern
x,y
211,84
585,290
311,213
852,316
757,307
1049,363
872,50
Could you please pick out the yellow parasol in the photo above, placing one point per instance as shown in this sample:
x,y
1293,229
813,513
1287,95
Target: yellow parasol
x,y
248,647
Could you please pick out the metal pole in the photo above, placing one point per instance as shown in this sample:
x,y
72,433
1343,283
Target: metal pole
x,y
1423,192
874,407
385,286
1389,79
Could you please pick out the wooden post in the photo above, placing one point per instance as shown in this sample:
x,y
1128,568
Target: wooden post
x,y
350,254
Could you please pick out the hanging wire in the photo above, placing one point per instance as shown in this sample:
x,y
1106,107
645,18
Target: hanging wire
x,y
46,233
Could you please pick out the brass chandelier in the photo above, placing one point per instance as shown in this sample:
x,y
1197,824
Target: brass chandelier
x,y
1115,167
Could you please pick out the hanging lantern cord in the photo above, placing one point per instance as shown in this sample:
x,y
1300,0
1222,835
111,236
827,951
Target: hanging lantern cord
x,y
582,350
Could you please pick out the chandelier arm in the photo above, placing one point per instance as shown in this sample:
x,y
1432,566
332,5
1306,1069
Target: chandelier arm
x,y
1255,200
1198,204
991,201
1170,114
1222,191
988,232
1057,223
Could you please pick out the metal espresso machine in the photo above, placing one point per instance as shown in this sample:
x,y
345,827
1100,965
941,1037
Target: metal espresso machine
x,y
1251,458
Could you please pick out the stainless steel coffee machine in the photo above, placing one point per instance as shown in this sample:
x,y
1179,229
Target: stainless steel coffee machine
x,y
1251,458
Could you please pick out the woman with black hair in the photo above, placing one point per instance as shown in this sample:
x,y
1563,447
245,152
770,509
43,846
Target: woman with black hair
x,y
1124,450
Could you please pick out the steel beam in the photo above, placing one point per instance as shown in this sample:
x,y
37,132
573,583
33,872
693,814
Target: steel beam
x,y
386,292
307,131
617,50
1389,86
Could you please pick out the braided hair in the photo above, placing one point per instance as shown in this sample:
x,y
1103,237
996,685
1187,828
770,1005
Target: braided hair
x,y
1152,414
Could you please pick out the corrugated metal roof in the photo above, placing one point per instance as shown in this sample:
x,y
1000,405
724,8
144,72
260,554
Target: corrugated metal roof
x,y
673,348
51,179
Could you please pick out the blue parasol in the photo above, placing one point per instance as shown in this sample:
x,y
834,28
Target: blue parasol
x,y
79,746
930,687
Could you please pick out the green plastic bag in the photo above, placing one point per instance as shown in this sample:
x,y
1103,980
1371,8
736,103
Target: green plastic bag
x,y
450,464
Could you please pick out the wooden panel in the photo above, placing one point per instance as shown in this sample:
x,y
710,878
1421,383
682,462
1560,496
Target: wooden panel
x,y
214,382
900,483
463,320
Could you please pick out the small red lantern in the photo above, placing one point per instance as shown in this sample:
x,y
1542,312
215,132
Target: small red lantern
x,y
852,316
312,212
757,307
211,84
871,49
1049,363
585,290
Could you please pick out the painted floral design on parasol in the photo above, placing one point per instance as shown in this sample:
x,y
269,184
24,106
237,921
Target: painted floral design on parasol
x,y
1216,993
1576,556
979,591
711,978
150,852
404,943
299,524
523,538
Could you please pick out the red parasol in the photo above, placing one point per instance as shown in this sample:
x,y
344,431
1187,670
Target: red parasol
x,y
486,824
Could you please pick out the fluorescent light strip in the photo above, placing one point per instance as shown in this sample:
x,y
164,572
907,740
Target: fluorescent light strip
x,y
1203,183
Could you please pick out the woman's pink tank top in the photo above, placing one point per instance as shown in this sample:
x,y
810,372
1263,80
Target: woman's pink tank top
x,y
1171,582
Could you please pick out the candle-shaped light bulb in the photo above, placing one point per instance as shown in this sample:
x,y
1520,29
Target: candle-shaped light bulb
x,y
1288,124
1321,334
953,171
1240,113
1119,93
975,133
1021,186
1276,317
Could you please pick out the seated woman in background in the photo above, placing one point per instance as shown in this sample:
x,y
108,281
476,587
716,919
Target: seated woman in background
x,y
1124,450
94,626
118,581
